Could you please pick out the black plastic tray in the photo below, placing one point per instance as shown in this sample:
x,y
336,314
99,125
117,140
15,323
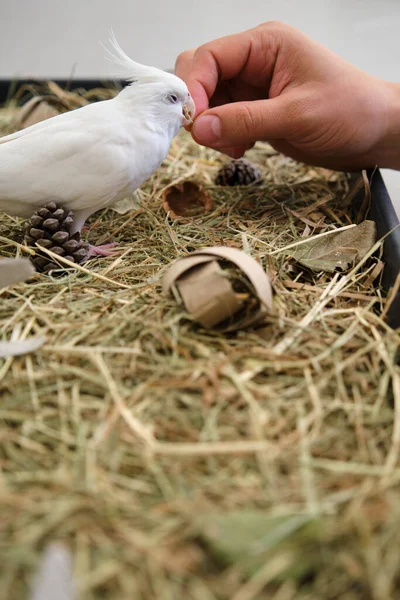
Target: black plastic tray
x,y
383,213
381,210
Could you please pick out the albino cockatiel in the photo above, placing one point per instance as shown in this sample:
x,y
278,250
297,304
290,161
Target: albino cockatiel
x,y
94,156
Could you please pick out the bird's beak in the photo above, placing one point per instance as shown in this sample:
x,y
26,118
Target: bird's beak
x,y
188,112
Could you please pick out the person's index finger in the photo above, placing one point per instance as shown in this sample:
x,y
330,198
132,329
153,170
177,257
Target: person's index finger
x,y
203,77
183,64
199,95
183,69
216,61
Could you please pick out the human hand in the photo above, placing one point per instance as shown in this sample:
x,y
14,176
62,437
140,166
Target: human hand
x,y
275,84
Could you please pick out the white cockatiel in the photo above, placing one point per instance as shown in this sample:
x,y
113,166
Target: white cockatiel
x,y
94,156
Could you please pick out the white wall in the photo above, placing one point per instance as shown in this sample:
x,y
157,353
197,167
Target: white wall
x,y
57,38
50,38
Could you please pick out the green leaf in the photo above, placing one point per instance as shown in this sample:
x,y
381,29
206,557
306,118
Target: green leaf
x,y
250,538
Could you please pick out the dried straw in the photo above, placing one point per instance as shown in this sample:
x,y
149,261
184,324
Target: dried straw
x,y
132,421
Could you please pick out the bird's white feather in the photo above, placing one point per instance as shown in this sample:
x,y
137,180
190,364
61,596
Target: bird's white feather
x,y
81,159
90,158
130,70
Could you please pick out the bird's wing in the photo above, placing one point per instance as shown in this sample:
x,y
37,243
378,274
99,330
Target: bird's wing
x,y
12,136
81,163
46,124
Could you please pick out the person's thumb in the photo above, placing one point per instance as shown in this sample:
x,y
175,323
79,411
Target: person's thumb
x,y
242,123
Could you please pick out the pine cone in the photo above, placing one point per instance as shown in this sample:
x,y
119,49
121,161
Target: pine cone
x,y
238,172
50,227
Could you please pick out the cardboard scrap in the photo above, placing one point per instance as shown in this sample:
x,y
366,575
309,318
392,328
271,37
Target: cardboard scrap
x,y
207,292
194,288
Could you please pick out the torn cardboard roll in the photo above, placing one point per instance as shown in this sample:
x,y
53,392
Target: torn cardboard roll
x,y
207,291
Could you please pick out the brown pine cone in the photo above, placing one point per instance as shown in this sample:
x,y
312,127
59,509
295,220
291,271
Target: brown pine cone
x,y
50,227
238,172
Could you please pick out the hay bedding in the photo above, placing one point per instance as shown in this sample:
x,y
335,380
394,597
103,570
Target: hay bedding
x,y
179,463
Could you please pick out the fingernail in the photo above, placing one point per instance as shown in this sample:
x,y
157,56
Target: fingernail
x,y
207,129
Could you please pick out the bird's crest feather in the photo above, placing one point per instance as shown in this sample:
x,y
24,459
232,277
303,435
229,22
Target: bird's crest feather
x,y
128,68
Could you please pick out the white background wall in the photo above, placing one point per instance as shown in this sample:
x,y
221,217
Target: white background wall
x,y
58,38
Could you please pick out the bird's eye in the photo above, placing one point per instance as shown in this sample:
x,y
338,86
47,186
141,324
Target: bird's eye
x,y
173,98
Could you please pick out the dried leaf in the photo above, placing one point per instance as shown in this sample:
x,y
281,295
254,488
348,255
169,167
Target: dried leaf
x,y
21,347
366,202
337,251
14,270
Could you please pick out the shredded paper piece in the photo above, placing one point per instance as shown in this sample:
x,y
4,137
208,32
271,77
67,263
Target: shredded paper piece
x,y
14,270
20,347
54,579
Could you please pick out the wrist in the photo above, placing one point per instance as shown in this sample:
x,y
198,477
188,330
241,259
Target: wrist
x,y
386,153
